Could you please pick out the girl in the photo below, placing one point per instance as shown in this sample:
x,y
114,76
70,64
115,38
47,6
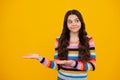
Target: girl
x,y
74,50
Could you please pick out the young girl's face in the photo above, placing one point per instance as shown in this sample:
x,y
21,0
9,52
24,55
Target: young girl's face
x,y
73,23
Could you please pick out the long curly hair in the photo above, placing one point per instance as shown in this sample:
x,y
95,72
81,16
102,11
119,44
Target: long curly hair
x,y
83,48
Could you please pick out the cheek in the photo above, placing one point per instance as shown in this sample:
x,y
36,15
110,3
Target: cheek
x,y
68,25
79,24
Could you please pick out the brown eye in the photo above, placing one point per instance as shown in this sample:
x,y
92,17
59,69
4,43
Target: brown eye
x,y
69,21
77,20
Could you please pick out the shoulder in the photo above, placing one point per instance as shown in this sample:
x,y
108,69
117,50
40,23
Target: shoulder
x,y
89,37
57,41
58,38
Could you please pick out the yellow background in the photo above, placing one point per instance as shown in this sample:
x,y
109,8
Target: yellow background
x,y
31,26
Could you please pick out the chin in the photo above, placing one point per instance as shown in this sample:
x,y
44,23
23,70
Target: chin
x,y
75,31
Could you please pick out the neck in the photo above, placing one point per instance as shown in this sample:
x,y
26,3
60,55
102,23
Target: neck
x,y
74,36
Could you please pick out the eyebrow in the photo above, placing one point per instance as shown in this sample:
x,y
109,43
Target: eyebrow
x,y
74,19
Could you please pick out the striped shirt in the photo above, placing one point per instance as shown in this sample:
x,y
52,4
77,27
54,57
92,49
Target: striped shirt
x,y
77,71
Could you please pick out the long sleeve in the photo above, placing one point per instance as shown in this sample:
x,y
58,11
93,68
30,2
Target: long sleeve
x,y
91,64
50,63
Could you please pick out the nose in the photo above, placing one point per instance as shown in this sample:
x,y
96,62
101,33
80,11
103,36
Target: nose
x,y
73,23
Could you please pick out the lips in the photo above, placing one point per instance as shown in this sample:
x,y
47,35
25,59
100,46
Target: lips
x,y
74,27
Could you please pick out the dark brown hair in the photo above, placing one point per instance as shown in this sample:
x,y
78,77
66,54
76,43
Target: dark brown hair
x,y
83,49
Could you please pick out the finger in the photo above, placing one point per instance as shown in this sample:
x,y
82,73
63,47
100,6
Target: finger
x,y
60,62
25,56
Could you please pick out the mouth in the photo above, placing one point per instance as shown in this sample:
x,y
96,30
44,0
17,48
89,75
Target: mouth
x,y
74,27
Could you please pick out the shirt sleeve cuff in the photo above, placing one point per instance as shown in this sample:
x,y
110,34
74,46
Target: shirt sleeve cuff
x,y
73,64
40,58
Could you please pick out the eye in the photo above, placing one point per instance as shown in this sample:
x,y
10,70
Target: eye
x,y
69,21
77,20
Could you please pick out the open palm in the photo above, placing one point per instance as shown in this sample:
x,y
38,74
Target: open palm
x,y
31,56
65,62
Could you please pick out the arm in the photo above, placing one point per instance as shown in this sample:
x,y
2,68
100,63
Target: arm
x,y
44,61
91,64
49,63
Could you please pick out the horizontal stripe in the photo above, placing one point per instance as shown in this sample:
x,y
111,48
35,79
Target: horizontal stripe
x,y
92,56
75,53
71,55
72,52
73,44
71,69
92,53
68,78
71,76
73,72
91,44
72,47
76,49
75,56
92,48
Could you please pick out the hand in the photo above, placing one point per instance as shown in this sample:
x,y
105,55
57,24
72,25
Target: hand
x,y
64,62
32,56
69,62
60,61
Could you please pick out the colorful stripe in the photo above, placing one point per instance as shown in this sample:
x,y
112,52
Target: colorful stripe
x,y
77,71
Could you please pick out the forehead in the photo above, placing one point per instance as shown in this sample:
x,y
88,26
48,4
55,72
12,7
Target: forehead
x,y
72,17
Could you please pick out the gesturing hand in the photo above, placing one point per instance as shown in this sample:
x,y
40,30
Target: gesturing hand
x,y
64,62
32,56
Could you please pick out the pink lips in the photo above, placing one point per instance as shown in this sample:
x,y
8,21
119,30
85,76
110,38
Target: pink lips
x,y
74,27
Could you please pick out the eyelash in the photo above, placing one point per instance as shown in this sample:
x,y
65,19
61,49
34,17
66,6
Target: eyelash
x,y
71,21
77,20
